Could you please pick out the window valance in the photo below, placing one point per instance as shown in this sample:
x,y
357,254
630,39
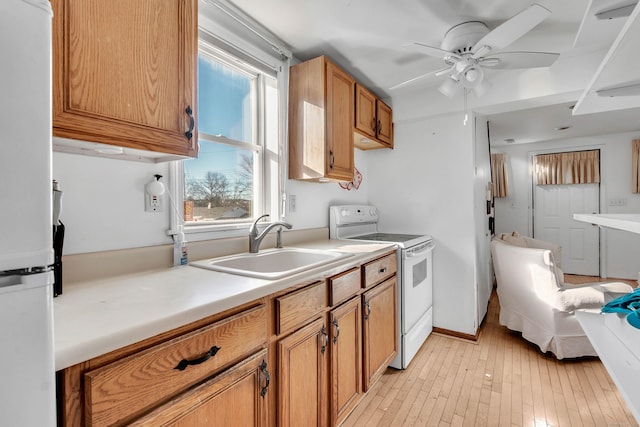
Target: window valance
x,y
577,167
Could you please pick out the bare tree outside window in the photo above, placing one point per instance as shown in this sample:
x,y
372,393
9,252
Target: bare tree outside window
x,y
216,197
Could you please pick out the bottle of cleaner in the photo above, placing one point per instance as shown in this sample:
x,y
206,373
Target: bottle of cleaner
x,y
180,254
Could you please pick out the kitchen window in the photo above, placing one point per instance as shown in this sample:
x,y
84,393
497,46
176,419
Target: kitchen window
x,y
237,175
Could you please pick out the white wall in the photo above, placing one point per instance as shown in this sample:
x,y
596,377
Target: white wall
x,y
424,185
618,248
313,199
482,178
103,202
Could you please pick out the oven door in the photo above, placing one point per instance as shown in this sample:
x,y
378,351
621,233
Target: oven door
x,y
417,283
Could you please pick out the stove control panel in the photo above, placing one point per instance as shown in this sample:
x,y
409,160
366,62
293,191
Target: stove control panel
x,y
352,214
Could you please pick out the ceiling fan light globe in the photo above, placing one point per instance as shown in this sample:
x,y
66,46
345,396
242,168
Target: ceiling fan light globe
x,y
482,88
472,77
449,87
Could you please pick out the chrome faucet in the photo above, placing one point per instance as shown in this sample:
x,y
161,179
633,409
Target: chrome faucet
x,y
255,239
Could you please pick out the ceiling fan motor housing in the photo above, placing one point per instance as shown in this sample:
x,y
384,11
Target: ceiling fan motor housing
x,y
461,38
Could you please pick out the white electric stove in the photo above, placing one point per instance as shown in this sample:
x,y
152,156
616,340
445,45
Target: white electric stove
x,y
415,278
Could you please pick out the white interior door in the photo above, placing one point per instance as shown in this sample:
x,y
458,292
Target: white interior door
x,y
554,206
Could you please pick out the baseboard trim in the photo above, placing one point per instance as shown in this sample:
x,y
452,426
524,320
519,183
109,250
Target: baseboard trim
x,y
456,334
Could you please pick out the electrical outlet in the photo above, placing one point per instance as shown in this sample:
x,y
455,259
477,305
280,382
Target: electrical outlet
x,y
152,203
292,203
618,202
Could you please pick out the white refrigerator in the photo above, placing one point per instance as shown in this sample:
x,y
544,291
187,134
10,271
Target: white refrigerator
x,y
27,377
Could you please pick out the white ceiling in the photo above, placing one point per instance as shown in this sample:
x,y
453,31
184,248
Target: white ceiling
x,y
365,37
546,123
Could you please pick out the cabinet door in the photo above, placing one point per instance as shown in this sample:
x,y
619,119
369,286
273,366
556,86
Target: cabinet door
x,y
302,367
385,123
234,398
132,385
124,73
380,332
339,155
346,360
366,112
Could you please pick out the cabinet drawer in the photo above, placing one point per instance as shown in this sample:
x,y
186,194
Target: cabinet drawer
x,y
234,397
380,269
296,307
343,286
125,388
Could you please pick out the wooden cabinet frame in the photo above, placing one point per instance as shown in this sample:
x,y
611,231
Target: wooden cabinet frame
x,y
346,358
320,122
331,352
373,127
119,80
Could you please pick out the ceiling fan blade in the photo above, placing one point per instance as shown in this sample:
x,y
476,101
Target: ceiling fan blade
x,y
512,29
627,89
420,77
616,11
429,50
516,60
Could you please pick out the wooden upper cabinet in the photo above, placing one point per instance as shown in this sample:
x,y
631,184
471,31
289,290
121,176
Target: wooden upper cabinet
x,y
321,99
124,73
366,122
373,121
385,123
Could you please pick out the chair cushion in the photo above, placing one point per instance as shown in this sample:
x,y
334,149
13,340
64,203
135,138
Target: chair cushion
x,y
593,295
555,249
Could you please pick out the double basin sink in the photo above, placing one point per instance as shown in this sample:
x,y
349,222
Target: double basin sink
x,y
272,264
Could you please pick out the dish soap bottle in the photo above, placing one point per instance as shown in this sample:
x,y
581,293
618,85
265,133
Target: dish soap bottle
x,y
180,254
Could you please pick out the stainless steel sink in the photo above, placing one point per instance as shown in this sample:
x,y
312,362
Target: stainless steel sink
x,y
271,263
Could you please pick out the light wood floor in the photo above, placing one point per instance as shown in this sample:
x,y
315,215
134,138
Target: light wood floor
x,y
501,380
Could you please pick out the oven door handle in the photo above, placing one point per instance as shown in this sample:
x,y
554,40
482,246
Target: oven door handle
x,y
419,250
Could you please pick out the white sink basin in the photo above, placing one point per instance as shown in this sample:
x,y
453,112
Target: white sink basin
x,y
271,263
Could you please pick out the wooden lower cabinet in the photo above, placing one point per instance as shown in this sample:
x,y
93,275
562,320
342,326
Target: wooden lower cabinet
x,y
234,398
380,331
346,359
302,367
300,357
123,388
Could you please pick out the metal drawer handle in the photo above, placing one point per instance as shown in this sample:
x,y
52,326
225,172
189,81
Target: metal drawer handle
x,y
267,377
335,323
208,355
382,270
332,159
367,312
192,122
325,338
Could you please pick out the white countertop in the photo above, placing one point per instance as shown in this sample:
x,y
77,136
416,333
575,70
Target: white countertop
x,y
96,317
617,344
626,222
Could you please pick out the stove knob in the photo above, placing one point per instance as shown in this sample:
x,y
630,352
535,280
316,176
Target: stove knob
x,y
372,212
344,212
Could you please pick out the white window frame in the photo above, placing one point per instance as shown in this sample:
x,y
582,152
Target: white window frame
x,y
277,59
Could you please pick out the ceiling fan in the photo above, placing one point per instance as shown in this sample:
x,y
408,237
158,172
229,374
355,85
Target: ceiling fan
x,y
468,48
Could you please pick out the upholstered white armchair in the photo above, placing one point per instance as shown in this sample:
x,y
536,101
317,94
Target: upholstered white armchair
x,y
535,301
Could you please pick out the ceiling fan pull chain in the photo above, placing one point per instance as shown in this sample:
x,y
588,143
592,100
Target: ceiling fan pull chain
x,y
466,109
